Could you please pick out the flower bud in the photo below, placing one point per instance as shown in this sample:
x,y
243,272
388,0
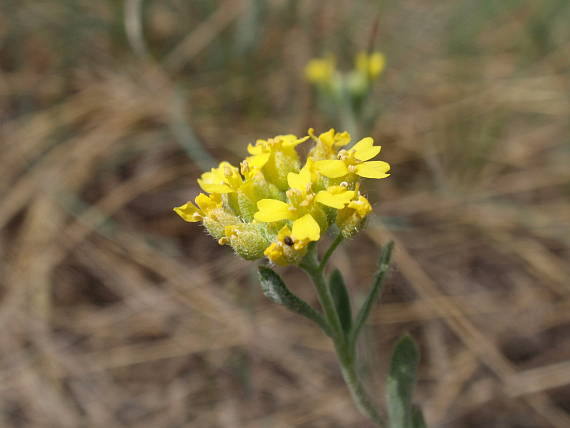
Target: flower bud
x,y
247,239
250,192
350,219
217,220
280,164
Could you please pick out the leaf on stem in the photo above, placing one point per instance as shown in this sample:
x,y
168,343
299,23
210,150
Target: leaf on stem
x,y
341,300
275,290
364,312
400,385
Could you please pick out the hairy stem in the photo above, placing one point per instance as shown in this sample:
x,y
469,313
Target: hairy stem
x,y
345,353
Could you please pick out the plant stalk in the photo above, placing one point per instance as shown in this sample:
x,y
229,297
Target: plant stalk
x,y
345,352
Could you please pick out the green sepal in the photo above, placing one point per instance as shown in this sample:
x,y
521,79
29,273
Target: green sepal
x,y
364,312
418,420
247,207
275,290
341,300
401,381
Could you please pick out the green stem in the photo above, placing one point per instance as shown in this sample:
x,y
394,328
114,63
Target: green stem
x,y
330,251
312,267
345,354
358,393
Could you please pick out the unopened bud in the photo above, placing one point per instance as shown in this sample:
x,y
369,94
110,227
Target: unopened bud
x,y
350,220
247,239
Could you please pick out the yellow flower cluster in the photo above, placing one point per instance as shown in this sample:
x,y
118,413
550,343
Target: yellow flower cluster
x,y
272,206
367,68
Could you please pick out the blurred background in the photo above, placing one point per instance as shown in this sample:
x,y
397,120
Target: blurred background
x,y
116,313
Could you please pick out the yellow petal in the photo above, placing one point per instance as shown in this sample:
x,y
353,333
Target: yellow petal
x,y
255,149
373,169
283,233
306,228
376,64
214,187
258,161
290,140
188,212
272,210
332,200
361,206
365,149
207,203
300,181
341,139
275,253
327,138
331,168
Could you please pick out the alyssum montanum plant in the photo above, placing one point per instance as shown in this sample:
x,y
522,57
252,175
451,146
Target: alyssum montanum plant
x,y
276,207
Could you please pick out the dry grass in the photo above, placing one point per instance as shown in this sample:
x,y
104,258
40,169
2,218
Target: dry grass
x,y
116,314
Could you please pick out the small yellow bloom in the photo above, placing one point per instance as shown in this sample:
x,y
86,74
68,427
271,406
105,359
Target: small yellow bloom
x,y
351,218
240,188
286,249
270,146
302,208
320,70
204,205
328,143
276,157
355,161
370,65
223,179
210,211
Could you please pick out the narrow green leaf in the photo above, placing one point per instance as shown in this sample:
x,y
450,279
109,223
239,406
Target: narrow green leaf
x,y
341,300
418,420
364,312
275,290
401,381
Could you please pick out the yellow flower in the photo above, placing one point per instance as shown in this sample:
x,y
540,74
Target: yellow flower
x,y
328,143
370,65
223,179
263,149
286,249
276,157
351,218
301,208
355,161
240,189
210,211
270,206
204,206
320,70
335,197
